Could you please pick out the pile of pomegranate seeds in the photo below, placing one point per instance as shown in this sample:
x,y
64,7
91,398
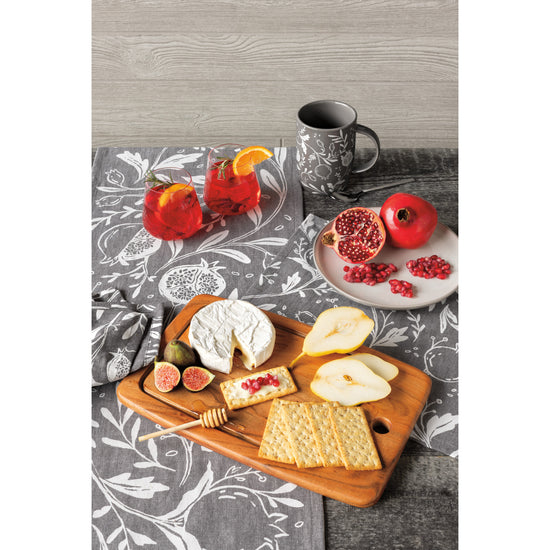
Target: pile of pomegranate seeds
x,y
402,287
429,267
253,385
370,274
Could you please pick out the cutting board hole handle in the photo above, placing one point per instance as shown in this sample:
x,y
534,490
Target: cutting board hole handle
x,y
381,425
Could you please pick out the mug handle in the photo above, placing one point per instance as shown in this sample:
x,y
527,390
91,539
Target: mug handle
x,y
372,134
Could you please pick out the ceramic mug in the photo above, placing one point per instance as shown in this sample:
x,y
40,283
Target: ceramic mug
x,y
325,145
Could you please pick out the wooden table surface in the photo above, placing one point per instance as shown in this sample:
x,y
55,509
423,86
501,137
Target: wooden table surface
x,y
419,508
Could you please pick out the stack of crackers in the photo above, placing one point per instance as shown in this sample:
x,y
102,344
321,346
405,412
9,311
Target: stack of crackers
x,y
319,434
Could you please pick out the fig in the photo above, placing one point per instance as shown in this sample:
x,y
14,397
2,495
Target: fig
x,y
196,378
180,354
166,375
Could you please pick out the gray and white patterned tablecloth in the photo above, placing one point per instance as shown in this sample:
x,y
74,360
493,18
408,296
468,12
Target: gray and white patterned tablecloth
x,y
169,491
174,493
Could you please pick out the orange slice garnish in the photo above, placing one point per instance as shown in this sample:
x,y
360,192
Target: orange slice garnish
x,y
168,194
246,159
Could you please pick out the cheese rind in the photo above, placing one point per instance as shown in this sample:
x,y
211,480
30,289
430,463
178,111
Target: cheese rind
x,y
223,326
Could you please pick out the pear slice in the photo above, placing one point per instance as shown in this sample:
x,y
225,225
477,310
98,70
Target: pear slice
x,y
348,381
336,330
379,366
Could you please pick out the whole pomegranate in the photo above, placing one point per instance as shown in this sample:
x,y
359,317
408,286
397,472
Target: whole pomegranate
x,y
356,235
410,220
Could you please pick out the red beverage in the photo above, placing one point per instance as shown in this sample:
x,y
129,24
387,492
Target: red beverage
x,y
171,211
228,194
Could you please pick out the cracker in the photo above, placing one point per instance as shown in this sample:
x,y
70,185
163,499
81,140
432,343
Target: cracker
x,y
354,438
300,435
237,398
275,444
324,434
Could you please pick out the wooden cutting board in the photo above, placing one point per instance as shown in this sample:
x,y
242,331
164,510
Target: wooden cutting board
x,y
391,419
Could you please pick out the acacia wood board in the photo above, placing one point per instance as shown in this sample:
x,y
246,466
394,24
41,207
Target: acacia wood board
x,y
391,419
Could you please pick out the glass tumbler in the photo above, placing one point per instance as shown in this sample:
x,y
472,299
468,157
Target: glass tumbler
x,y
225,192
171,209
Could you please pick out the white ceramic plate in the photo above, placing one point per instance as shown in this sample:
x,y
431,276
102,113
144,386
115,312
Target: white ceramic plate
x,y
443,242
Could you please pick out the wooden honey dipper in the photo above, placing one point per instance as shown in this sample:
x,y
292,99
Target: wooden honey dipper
x,y
212,418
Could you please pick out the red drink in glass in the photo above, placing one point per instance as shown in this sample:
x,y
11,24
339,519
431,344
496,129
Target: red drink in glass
x,y
225,192
171,210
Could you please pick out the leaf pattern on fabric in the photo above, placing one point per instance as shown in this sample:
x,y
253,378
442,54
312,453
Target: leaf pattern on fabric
x,y
158,492
239,244
125,502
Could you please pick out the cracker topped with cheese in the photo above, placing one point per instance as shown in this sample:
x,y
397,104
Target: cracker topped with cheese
x,y
257,388
221,327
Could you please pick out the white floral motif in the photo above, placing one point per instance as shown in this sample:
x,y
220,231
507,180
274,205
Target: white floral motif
x,y
347,158
430,424
133,525
324,164
140,246
181,283
121,204
119,366
439,361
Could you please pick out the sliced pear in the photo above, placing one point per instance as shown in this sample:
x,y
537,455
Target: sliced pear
x,y
336,330
348,381
379,366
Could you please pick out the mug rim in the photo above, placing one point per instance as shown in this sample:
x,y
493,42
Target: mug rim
x,y
332,101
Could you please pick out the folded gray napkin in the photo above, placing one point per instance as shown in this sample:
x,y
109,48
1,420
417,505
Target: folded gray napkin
x,y
125,337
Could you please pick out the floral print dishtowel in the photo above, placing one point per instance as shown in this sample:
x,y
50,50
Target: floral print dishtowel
x,y
169,492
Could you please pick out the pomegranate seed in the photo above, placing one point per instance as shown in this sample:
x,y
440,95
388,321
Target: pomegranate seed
x,y
251,390
428,268
401,287
244,385
368,273
275,383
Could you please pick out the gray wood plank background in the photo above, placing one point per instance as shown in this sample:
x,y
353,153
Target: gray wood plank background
x,y
197,72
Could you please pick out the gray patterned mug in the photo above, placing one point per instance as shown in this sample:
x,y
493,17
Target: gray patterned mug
x,y
325,145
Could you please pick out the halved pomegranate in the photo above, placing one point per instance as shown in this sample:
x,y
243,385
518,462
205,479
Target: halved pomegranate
x,y
356,235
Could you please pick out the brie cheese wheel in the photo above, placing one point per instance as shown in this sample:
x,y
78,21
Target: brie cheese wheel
x,y
223,326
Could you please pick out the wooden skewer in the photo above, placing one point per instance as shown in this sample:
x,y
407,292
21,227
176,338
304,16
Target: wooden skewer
x,y
209,419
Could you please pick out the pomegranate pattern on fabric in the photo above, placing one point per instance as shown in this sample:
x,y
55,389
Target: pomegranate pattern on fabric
x,y
223,249
159,492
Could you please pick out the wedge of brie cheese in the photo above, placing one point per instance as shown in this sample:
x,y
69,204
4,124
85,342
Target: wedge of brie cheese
x,y
221,327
